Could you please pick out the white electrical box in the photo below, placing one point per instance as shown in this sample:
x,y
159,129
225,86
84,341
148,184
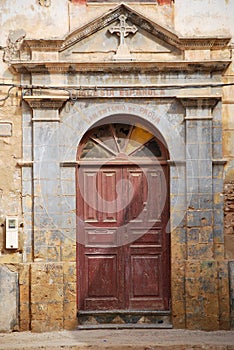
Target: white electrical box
x,y
11,232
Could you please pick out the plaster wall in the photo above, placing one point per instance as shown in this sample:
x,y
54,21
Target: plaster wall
x,y
212,17
36,20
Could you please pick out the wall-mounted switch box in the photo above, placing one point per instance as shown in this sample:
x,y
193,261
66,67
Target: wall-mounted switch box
x,y
12,232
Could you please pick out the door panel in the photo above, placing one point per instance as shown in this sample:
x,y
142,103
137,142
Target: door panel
x,y
103,281
125,261
101,277
90,213
107,183
136,194
145,275
101,237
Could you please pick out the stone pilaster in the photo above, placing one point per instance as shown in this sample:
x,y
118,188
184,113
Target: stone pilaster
x,y
46,176
204,283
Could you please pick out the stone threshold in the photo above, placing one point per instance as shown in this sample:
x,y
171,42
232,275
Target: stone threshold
x,y
121,319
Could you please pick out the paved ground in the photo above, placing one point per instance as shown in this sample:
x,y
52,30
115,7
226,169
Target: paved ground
x,y
119,339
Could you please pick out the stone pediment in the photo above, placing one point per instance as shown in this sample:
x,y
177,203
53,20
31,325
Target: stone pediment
x,y
112,17
139,37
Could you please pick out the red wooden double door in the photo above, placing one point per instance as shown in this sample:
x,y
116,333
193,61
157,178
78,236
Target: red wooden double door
x,y
123,246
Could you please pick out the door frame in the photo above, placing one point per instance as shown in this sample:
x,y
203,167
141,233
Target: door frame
x,y
122,162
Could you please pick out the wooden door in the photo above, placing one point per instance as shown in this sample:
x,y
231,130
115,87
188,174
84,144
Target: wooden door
x,y
123,249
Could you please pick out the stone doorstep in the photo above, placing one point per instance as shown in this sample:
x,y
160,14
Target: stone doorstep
x,y
124,319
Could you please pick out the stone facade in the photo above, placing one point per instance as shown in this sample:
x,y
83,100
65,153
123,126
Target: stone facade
x,y
67,75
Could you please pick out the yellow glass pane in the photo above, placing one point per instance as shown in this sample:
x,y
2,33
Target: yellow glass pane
x,y
138,137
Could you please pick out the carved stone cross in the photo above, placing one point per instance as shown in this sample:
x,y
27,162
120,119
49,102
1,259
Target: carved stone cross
x,y
122,30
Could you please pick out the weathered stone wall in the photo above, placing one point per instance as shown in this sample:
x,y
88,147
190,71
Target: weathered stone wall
x,y
47,296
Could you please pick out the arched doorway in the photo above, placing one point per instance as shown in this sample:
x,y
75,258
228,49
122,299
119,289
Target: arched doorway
x,y
123,252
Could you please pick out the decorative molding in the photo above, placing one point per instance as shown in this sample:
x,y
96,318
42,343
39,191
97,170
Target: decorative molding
x,y
45,102
116,66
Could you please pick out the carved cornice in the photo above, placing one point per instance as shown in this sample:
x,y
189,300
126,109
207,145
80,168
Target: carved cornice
x,y
111,66
45,102
44,45
203,43
199,101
